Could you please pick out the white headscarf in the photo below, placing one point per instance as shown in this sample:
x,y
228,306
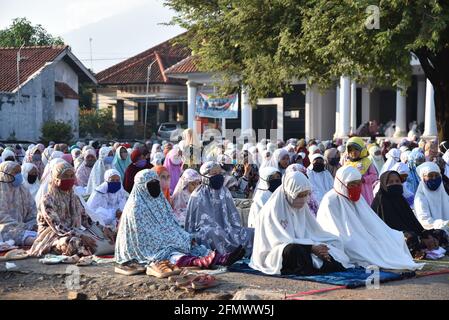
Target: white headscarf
x,y
321,182
366,238
275,158
103,204
261,195
33,188
280,225
181,195
8,153
393,156
431,207
97,174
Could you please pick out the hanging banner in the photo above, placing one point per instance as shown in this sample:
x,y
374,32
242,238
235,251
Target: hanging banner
x,y
227,107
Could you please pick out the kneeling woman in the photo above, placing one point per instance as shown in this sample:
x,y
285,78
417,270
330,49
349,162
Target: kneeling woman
x,y
288,240
149,233
366,238
212,215
63,225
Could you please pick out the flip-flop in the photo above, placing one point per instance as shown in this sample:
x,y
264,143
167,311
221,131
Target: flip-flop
x,y
15,254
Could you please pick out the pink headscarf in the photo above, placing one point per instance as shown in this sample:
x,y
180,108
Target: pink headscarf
x,y
68,157
173,163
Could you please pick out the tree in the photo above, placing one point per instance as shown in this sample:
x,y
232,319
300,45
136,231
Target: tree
x,y
57,131
268,43
22,32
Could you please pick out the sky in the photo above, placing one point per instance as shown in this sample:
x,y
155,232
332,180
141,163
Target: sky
x,y
119,29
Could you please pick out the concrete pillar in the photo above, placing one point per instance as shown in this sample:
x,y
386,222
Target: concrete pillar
x,y
401,112
430,121
421,101
353,107
337,112
191,103
308,113
345,106
246,119
366,105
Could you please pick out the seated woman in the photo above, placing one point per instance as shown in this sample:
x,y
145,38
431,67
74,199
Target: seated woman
x,y
17,209
404,172
148,232
366,238
288,240
31,178
357,157
173,163
311,201
85,167
108,200
138,163
104,163
246,173
415,158
121,161
279,160
188,182
431,200
164,178
64,227
35,157
212,216
270,180
320,179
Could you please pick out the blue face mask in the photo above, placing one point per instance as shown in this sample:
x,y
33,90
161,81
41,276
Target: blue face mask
x,y
108,159
113,187
18,180
434,184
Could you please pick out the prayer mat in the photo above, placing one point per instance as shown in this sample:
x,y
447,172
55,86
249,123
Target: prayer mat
x,y
351,278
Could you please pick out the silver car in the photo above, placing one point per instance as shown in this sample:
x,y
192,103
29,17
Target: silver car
x,y
171,130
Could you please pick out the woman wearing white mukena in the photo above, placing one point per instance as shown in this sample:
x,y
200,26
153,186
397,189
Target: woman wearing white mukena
x,y
366,238
431,200
287,238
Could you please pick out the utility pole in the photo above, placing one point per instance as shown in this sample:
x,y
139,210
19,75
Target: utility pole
x,y
146,101
91,60
19,58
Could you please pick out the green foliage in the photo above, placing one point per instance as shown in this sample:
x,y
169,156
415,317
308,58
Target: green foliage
x,y
57,131
85,93
98,123
266,44
21,31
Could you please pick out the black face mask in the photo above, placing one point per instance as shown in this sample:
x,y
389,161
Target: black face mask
x,y
32,179
274,184
334,161
216,182
154,188
395,190
318,167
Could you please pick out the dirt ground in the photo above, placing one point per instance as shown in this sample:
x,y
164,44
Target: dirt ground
x,y
33,280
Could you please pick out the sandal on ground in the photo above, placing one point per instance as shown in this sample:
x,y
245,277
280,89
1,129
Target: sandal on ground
x,y
15,254
162,269
129,269
204,281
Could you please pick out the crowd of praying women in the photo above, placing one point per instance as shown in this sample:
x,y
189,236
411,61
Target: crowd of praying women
x,y
317,206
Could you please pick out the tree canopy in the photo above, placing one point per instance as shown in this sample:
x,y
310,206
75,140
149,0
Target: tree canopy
x,y
268,43
23,32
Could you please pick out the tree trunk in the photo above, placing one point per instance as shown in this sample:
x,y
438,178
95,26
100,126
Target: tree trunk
x,y
436,69
442,108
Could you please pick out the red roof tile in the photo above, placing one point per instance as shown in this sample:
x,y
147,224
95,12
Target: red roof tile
x,y
134,70
188,65
32,59
63,90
